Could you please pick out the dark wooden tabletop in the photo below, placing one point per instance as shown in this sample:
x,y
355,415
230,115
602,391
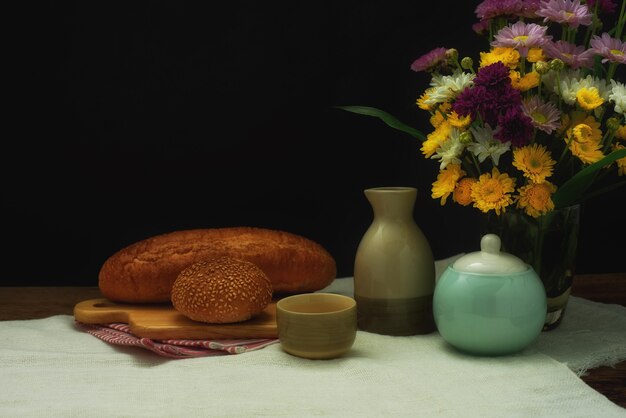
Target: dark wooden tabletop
x,y
40,302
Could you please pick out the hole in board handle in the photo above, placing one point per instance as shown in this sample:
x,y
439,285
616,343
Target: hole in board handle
x,y
103,305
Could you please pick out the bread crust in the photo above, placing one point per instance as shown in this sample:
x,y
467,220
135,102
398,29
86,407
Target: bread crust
x,y
145,271
221,291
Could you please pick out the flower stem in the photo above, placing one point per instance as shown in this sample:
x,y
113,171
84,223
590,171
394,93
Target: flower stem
x,y
607,141
536,262
621,21
611,71
476,164
591,29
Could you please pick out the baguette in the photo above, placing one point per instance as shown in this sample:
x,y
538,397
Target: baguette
x,y
144,272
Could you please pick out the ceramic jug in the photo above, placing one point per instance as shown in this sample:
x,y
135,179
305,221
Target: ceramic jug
x,y
489,302
394,268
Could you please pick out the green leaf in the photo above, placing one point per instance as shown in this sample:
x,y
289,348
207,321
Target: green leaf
x,y
573,189
385,117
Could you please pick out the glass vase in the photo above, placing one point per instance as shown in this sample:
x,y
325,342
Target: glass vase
x,y
548,244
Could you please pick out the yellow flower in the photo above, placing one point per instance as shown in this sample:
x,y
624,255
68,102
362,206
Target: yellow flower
x,y
421,102
565,124
621,163
438,115
508,56
446,182
536,199
589,98
437,119
534,161
535,55
460,122
463,191
493,191
435,138
588,151
529,81
621,133
583,136
585,133
584,141
568,122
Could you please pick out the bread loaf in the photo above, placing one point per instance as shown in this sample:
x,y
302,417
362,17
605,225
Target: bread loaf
x,y
221,290
145,271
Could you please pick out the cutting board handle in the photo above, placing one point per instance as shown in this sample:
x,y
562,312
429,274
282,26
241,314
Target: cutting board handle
x,y
98,311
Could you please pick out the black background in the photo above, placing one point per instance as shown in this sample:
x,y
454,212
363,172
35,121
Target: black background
x,y
130,119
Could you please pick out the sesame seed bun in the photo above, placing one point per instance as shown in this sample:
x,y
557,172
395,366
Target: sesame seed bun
x,y
221,290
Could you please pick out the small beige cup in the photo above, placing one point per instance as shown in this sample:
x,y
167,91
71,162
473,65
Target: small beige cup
x,y
316,325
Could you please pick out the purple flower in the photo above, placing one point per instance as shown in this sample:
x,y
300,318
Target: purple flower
x,y
431,61
574,56
489,9
492,75
481,27
604,6
612,49
475,102
529,8
491,95
544,115
522,36
514,126
569,12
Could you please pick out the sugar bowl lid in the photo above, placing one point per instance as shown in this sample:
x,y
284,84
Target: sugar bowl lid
x,y
490,259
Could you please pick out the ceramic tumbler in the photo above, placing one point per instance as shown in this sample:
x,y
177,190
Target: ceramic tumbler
x,y
316,325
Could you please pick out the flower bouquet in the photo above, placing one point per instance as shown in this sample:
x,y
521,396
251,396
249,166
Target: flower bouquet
x,y
533,126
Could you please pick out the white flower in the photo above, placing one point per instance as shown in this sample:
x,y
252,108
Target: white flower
x,y
618,96
445,88
486,145
450,150
551,81
571,83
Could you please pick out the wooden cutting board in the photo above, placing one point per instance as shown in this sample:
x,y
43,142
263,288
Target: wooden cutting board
x,y
162,321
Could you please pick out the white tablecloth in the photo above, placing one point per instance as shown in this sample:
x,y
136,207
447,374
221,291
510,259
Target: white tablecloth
x,y
591,334
48,368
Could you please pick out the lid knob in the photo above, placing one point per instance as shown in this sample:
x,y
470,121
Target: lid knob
x,y
490,243
490,259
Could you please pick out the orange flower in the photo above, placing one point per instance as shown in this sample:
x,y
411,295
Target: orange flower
x,y
536,199
463,191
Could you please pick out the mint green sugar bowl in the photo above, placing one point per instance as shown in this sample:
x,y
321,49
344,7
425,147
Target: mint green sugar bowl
x,y
489,302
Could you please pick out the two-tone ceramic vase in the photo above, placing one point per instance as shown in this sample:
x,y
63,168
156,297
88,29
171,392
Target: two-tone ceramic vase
x,y
394,269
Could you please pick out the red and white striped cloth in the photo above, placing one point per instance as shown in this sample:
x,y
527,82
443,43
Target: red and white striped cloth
x,y
119,334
